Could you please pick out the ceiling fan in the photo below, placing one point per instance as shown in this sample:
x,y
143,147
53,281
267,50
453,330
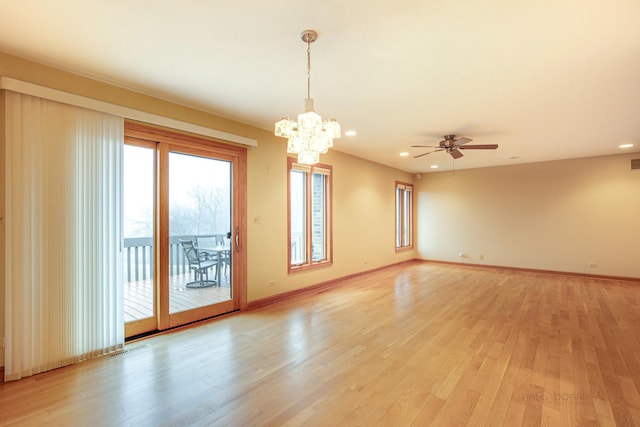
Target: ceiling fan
x,y
452,144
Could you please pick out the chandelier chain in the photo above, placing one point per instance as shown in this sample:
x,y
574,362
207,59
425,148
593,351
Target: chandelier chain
x,y
308,68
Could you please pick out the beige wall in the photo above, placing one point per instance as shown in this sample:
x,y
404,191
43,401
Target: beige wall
x,y
363,220
560,215
363,210
2,231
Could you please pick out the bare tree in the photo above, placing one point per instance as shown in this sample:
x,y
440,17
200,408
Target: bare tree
x,y
207,212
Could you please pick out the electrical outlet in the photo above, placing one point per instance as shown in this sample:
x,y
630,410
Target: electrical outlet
x,y
592,265
481,257
271,283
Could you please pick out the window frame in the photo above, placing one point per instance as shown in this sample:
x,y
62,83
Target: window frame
x,y
404,218
309,170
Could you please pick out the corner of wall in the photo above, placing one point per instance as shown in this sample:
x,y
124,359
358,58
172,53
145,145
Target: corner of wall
x,y
2,231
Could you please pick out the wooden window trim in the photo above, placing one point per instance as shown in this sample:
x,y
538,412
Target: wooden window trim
x,y
310,265
402,248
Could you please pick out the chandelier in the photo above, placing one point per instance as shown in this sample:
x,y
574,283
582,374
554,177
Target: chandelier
x,y
310,136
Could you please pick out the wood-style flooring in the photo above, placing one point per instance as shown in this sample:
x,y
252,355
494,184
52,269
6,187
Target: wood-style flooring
x,y
418,344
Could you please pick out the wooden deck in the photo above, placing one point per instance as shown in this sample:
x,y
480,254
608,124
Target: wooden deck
x,y
138,296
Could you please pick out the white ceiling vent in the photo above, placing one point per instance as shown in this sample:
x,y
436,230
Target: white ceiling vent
x,y
635,164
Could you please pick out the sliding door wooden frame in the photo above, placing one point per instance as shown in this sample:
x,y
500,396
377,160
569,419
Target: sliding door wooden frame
x,y
142,326
168,140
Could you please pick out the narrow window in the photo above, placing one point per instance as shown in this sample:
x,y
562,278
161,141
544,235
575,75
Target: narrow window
x,y
404,215
309,212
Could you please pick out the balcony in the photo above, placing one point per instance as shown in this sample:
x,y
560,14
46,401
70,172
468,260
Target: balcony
x,y
139,273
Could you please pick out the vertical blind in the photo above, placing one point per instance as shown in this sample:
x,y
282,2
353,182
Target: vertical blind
x,y
63,276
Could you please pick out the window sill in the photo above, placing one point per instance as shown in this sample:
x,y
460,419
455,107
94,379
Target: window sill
x,y
307,267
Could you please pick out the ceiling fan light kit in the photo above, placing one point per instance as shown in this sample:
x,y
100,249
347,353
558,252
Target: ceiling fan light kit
x,y
309,136
452,144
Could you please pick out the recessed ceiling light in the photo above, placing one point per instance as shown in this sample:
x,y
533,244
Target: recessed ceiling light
x,y
404,154
626,146
514,158
434,166
350,133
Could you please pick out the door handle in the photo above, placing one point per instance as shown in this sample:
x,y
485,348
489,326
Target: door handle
x,y
237,239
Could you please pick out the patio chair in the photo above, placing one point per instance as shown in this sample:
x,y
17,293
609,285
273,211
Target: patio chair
x,y
225,256
202,242
200,264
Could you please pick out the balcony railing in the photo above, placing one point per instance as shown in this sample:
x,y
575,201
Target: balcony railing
x,y
138,256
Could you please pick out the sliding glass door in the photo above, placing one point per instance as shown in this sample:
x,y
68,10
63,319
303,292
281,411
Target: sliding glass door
x,y
200,222
184,216
139,174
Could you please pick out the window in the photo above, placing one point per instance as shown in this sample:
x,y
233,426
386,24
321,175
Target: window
x,y
309,209
404,215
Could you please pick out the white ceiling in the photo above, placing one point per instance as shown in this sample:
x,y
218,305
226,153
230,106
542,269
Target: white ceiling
x,y
543,79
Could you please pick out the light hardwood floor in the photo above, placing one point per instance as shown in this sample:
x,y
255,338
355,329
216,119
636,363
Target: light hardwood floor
x,y
418,344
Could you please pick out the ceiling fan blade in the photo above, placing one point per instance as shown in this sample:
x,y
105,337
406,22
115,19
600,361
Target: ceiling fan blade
x,y
424,154
480,147
455,153
425,146
462,140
